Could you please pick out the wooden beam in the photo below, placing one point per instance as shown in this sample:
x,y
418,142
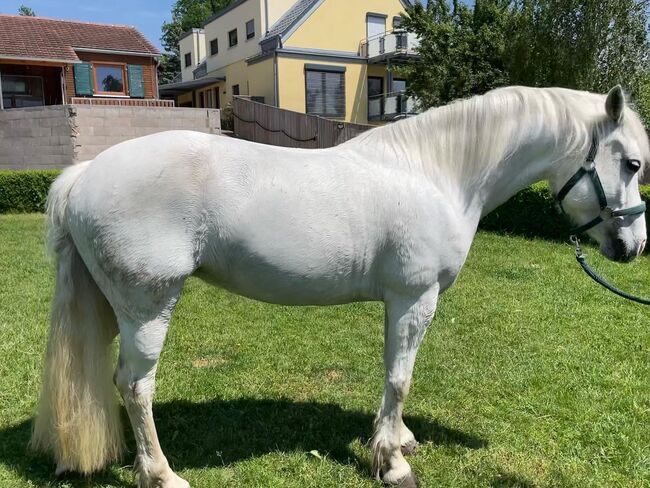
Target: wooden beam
x,y
22,62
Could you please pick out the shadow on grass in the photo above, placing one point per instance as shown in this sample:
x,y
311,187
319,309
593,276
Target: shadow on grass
x,y
218,432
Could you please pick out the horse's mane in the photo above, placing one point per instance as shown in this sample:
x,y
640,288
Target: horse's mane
x,y
467,135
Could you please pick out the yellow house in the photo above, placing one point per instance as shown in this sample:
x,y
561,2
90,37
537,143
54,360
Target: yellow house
x,y
326,57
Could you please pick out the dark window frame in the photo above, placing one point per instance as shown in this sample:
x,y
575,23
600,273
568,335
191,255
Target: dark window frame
x,y
326,71
235,90
251,34
214,46
230,38
187,57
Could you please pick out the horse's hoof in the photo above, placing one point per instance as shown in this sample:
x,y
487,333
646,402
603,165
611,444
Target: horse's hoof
x,y
408,481
409,448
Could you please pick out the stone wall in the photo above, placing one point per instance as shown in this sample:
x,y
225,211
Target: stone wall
x,y
57,136
39,137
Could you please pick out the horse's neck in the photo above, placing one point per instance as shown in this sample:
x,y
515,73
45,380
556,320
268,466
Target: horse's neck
x,y
500,182
481,185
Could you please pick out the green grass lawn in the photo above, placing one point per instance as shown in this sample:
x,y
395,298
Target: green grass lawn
x,y
531,375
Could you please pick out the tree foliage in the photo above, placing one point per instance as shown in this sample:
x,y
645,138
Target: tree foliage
x,y
582,44
25,11
461,51
186,15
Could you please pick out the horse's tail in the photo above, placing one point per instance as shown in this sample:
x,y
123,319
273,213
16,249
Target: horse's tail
x,y
78,417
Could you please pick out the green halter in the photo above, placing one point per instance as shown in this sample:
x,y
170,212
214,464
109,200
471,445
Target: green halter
x,y
606,213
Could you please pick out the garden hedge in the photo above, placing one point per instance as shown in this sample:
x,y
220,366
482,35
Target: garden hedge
x,y
530,213
25,191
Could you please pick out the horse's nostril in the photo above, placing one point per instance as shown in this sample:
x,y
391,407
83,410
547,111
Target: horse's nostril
x,y
620,250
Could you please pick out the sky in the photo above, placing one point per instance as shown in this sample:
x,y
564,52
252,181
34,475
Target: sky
x,y
146,15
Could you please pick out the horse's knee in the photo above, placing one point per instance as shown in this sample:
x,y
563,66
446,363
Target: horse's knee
x,y
399,384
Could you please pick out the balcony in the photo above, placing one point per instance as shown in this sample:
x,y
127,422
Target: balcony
x,y
390,106
201,70
393,46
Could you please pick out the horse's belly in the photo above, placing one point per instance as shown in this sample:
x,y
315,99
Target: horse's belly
x,y
290,282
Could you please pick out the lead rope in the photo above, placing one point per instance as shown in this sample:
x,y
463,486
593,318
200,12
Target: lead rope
x,y
580,257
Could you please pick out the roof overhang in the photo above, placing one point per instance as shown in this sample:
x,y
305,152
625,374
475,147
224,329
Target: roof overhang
x,y
184,86
114,51
23,59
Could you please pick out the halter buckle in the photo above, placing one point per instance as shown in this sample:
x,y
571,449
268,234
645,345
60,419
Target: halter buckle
x,y
574,239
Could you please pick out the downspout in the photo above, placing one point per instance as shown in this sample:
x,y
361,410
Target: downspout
x,y
276,94
155,79
266,16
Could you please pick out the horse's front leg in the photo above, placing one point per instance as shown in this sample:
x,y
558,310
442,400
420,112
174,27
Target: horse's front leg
x,y
406,320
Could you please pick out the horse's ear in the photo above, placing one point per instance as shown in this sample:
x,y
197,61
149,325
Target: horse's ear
x,y
615,103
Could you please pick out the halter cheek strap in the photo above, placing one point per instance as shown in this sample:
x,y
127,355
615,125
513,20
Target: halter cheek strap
x,y
606,213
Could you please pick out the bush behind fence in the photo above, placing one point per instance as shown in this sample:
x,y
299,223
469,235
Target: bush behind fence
x,y
529,213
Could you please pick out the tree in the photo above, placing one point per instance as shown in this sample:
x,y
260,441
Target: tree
x,y
581,44
461,49
186,15
26,11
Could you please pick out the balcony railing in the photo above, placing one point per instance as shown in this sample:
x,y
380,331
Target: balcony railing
x,y
396,45
200,71
390,106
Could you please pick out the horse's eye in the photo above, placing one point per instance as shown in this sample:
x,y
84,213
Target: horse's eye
x,y
633,165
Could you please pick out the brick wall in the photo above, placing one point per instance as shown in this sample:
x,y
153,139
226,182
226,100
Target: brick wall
x,y
99,128
38,137
57,136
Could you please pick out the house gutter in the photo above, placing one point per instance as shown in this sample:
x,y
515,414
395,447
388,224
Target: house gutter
x,y
115,51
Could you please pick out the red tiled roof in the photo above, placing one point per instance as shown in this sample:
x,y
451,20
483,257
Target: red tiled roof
x,y
42,38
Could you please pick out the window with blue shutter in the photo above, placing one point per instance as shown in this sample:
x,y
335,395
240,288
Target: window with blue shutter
x,y
83,79
136,81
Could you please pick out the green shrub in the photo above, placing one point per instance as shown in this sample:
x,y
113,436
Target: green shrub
x,y
25,191
532,213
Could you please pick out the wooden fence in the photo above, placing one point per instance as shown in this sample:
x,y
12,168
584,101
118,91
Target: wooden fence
x,y
271,125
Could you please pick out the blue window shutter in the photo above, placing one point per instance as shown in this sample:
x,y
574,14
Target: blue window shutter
x,y
136,81
83,79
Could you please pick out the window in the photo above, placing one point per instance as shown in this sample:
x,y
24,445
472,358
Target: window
x,y
325,90
235,90
188,59
232,38
375,86
214,47
250,29
109,79
375,25
397,22
399,86
22,91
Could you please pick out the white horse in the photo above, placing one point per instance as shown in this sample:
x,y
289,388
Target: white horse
x,y
387,216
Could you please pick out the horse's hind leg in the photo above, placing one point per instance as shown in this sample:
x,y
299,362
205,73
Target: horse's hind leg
x,y
406,321
143,328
